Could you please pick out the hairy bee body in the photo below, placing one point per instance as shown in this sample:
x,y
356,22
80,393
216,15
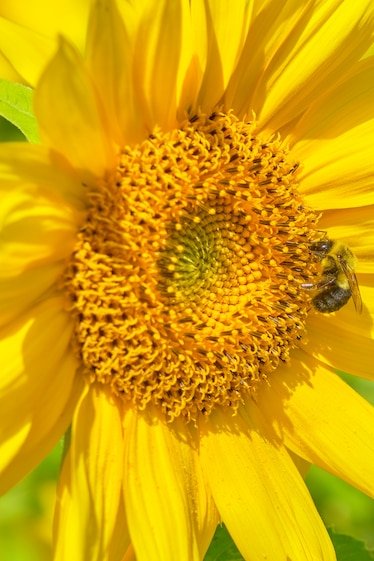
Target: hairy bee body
x,y
338,283
331,299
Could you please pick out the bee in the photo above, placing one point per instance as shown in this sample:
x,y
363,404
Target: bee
x,y
339,282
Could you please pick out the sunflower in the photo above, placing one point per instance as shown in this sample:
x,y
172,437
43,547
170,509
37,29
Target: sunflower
x,y
163,253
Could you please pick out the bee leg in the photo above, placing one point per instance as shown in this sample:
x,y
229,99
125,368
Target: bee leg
x,y
327,281
309,285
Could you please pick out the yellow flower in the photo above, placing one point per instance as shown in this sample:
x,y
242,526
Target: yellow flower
x,y
161,253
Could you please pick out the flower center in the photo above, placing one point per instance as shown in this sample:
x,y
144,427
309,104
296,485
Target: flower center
x,y
186,278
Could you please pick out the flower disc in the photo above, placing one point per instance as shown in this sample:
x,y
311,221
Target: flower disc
x,y
186,278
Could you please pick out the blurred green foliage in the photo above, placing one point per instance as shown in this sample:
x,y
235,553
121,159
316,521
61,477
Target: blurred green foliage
x,y
26,514
26,511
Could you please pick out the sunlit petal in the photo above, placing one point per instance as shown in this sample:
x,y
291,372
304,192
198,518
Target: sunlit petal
x,y
109,56
354,227
26,50
256,485
38,390
345,340
322,419
82,138
90,482
165,492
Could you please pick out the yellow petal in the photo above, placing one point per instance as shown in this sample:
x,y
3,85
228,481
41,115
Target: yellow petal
x,y
314,54
69,113
226,27
26,50
120,548
161,57
50,18
322,419
18,294
40,212
344,106
270,25
259,492
35,229
7,71
347,318
91,482
334,175
369,52
29,31
169,510
35,168
345,340
36,447
38,387
129,555
193,65
205,517
355,227
109,56
302,465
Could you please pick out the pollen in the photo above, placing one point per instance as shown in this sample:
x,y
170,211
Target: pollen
x,y
186,280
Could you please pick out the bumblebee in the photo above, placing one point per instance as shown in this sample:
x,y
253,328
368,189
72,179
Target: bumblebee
x,y
339,282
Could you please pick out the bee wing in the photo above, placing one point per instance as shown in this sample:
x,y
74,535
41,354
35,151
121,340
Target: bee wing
x,y
353,284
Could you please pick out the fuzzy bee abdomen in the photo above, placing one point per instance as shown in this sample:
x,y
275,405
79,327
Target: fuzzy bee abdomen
x,y
331,299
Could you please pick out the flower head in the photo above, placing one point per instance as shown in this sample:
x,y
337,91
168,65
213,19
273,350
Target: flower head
x,y
164,248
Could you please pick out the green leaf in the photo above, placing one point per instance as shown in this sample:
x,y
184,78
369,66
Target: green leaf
x,y
16,107
350,549
222,547
10,133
